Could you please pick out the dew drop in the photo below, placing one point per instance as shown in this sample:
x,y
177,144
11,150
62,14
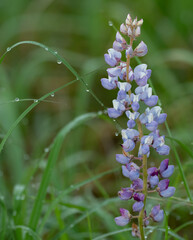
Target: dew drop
x,y
110,23
8,49
55,52
100,112
35,100
114,120
87,90
52,95
16,99
46,49
116,134
59,62
71,186
46,150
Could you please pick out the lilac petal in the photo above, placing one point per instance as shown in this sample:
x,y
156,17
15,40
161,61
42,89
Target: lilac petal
x,y
159,217
110,61
107,84
142,81
134,174
138,206
131,123
114,72
168,192
114,113
139,197
121,95
125,213
125,194
124,86
125,171
154,180
163,184
155,210
162,117
122,221
145,149
129,51
141,49
167,173
152,101
128,145
152,171
122,159
137,184
164,165
148,73
117,46
135,106
163,150
152,126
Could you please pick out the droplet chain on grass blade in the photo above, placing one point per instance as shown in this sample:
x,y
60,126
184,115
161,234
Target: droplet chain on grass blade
x,y
144,180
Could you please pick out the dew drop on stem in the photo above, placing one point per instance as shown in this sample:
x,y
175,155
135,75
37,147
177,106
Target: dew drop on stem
x,y
59,62
16,99
110,23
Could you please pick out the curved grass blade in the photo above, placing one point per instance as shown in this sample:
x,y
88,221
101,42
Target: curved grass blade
x,y
183,226
85,215
18,120
69,190
55,150
28,230
59,59
183,146
130,229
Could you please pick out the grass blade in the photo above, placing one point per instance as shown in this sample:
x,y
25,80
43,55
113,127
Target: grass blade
x,y
36,211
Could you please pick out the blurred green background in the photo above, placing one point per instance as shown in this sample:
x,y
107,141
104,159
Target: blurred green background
x,y
79,31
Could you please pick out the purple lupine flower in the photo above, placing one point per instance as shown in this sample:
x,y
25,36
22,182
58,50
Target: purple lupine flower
x,y
125,193
164,189
113,57
156,214
165,169
122,159
109,83
124,219
141,74
140,50
120,43
131,171
128,102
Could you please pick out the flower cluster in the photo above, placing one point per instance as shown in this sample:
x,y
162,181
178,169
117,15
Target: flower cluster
x,y
121,75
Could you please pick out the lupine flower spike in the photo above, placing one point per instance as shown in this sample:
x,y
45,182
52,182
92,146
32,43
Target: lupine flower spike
x,y
144,180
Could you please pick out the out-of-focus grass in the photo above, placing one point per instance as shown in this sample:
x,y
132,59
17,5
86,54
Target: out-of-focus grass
x,y
79,31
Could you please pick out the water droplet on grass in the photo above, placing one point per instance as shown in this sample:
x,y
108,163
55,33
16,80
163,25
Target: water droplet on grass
x,y
8,49
46,150
116,134
35,100
55,52
110,23
59,62
16,99
87,90
46,49
52,95
100,112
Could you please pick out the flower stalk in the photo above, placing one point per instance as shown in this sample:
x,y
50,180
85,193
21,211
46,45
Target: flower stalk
x,y
144,180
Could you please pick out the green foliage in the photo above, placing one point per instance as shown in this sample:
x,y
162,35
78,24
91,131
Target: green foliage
x,y
59,177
